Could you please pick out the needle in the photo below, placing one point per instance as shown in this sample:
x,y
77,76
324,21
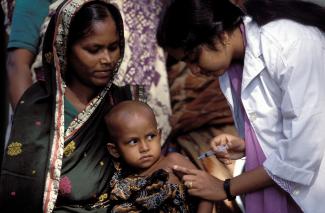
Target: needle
x,y
220,148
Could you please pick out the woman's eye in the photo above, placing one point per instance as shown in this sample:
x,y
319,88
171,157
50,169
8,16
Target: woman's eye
x,y
93,50
193,59
113,47
193,56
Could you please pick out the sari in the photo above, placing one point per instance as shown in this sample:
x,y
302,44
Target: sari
x,y
50,168
144,60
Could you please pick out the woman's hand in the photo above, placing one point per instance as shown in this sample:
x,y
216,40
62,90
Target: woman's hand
x,y
201,184
235,147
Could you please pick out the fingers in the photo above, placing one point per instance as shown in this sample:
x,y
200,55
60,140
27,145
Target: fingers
x,y
189,176
218,141
225,161
184,171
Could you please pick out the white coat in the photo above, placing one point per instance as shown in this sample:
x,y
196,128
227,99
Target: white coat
x,y
283,93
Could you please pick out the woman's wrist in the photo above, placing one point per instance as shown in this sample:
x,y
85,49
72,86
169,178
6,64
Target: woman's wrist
x,y
250,181
226,188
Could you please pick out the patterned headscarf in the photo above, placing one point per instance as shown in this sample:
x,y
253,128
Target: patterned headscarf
x,y
55,64
143,61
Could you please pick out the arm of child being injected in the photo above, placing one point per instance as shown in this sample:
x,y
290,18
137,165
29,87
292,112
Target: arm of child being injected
x,y
204,206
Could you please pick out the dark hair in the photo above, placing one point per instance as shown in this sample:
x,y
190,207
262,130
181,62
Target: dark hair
x,y
81,23
307,13
188,23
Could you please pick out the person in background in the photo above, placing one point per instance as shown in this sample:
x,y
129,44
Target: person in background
x,y
3,83
275,90
54,161
23,24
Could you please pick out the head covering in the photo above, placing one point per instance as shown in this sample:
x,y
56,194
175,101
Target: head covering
x,y
55,59
143,61
32,167
55,49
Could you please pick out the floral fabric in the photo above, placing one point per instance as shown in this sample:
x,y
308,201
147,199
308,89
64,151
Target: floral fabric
x,y
134,193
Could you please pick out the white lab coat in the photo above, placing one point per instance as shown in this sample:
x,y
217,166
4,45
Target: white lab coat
x,y
283,93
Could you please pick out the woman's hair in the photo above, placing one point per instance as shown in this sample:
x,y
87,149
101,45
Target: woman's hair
x,y
188,23
81,23
307,13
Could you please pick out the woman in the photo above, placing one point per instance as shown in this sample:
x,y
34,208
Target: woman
x,y
55,160
28,27
275,89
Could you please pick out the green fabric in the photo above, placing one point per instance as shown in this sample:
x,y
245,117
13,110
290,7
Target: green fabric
x,y
33,159
89,167
26,157
68,209
70,112
26,23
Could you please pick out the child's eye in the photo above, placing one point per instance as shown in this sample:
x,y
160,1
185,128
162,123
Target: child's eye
x,y
132,142
150,137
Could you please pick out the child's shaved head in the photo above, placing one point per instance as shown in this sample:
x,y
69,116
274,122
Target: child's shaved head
x,y
125,112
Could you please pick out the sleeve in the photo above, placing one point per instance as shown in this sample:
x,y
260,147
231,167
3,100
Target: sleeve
x,y
27,19
284,184
298,68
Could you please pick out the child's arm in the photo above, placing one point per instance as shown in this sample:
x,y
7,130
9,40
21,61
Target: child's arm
x,y
204,206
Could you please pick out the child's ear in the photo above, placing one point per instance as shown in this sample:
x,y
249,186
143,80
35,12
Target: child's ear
x,y
159,133
113,150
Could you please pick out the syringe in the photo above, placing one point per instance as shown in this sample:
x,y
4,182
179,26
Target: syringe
x,y
220,148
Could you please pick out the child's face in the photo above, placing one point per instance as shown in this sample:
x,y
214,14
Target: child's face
x,y
138,140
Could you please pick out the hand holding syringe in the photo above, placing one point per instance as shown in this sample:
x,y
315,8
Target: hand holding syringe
x,y
220,148
225,147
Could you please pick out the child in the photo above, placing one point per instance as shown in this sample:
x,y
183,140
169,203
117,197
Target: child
x,y
144,180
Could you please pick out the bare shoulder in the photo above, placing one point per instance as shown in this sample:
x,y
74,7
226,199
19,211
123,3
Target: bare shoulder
x,y
172,159
175,158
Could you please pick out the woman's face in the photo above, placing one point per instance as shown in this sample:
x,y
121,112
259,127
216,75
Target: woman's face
x,y
205,60
94,57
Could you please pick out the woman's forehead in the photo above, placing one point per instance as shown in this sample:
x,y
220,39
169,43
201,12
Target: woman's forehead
x,y
103,28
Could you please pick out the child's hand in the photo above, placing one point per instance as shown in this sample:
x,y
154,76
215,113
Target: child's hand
x,y
235,147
